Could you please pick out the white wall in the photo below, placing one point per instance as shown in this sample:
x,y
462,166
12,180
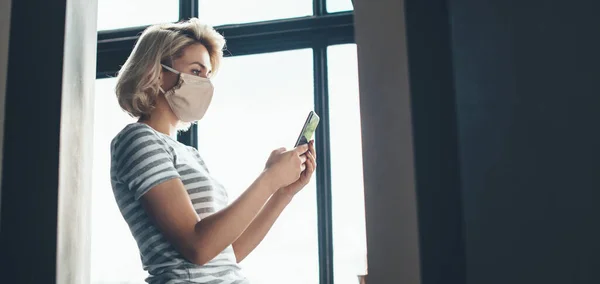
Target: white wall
x,y
4,35
390,197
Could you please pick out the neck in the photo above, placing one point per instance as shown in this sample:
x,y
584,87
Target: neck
x,y
162,120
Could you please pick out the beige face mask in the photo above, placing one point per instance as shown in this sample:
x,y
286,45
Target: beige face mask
x,y
190,98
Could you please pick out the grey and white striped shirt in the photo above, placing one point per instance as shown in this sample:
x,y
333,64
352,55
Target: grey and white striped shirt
x,y
142,158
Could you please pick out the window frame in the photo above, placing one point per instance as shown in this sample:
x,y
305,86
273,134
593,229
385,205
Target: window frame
x,y
318,31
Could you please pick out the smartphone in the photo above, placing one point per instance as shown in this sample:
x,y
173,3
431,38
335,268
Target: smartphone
x,y
308,130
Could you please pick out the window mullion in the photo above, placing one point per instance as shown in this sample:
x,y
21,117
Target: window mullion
x,y
319,7
322,140
188,9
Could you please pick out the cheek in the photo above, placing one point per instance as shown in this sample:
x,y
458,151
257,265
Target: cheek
x,y
168,81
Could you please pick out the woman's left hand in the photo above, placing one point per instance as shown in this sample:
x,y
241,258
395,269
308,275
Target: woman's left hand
x,y
306,175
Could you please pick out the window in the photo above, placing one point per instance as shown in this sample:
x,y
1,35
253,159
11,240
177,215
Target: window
x,y
117,14
294,61
254,112
348,212
339,5
218,12
110,234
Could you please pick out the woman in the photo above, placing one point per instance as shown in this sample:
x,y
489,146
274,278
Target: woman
x,y
185,228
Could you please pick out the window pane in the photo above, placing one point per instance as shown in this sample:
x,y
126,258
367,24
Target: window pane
x,y
218,12
260,104
349,236
110,234
339,5
117,14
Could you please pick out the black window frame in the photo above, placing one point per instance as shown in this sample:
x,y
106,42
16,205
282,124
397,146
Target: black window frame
x,y
318,31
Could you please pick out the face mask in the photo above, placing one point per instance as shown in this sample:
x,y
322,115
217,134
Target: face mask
x,y
190,98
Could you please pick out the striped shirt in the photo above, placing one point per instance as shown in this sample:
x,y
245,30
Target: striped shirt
x,y
142,158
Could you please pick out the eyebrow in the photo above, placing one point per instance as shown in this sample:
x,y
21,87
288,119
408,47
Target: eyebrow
x,y
201,65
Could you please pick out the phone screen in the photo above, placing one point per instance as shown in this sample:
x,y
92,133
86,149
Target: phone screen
x,y
308,130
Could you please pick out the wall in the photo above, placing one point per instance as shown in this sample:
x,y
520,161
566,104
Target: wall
x,y
527,88
412,181
508,93
390,196
501,129
4,35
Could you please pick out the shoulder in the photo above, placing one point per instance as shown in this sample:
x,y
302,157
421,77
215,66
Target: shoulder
x,y
136,135
196,155
132,130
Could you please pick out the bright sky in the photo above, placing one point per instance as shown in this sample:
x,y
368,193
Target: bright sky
x,y
115,14
253,112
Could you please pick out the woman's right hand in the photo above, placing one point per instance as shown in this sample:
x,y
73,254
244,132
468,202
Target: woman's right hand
x,y
285,166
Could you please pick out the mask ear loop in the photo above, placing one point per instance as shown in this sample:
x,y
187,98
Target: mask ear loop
x,y
172,70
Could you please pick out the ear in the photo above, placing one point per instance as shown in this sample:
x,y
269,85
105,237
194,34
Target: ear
x,y
161,78
167,79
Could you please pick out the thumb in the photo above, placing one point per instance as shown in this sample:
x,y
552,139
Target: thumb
x,y
302,149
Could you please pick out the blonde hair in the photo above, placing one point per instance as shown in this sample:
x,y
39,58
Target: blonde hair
x,y
138,80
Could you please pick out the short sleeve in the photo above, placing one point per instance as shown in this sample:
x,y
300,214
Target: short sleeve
x,y
141,159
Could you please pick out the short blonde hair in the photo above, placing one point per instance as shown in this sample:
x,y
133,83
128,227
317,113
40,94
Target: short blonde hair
x,y
138,80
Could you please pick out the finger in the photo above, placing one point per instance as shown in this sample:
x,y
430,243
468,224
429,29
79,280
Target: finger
x,y
310,166
311,146
278,150
309,159
309,156
312,149
313,160
301,149
302,167
303,158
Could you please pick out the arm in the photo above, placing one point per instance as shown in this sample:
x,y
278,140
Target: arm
x,y
259,228
199,241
